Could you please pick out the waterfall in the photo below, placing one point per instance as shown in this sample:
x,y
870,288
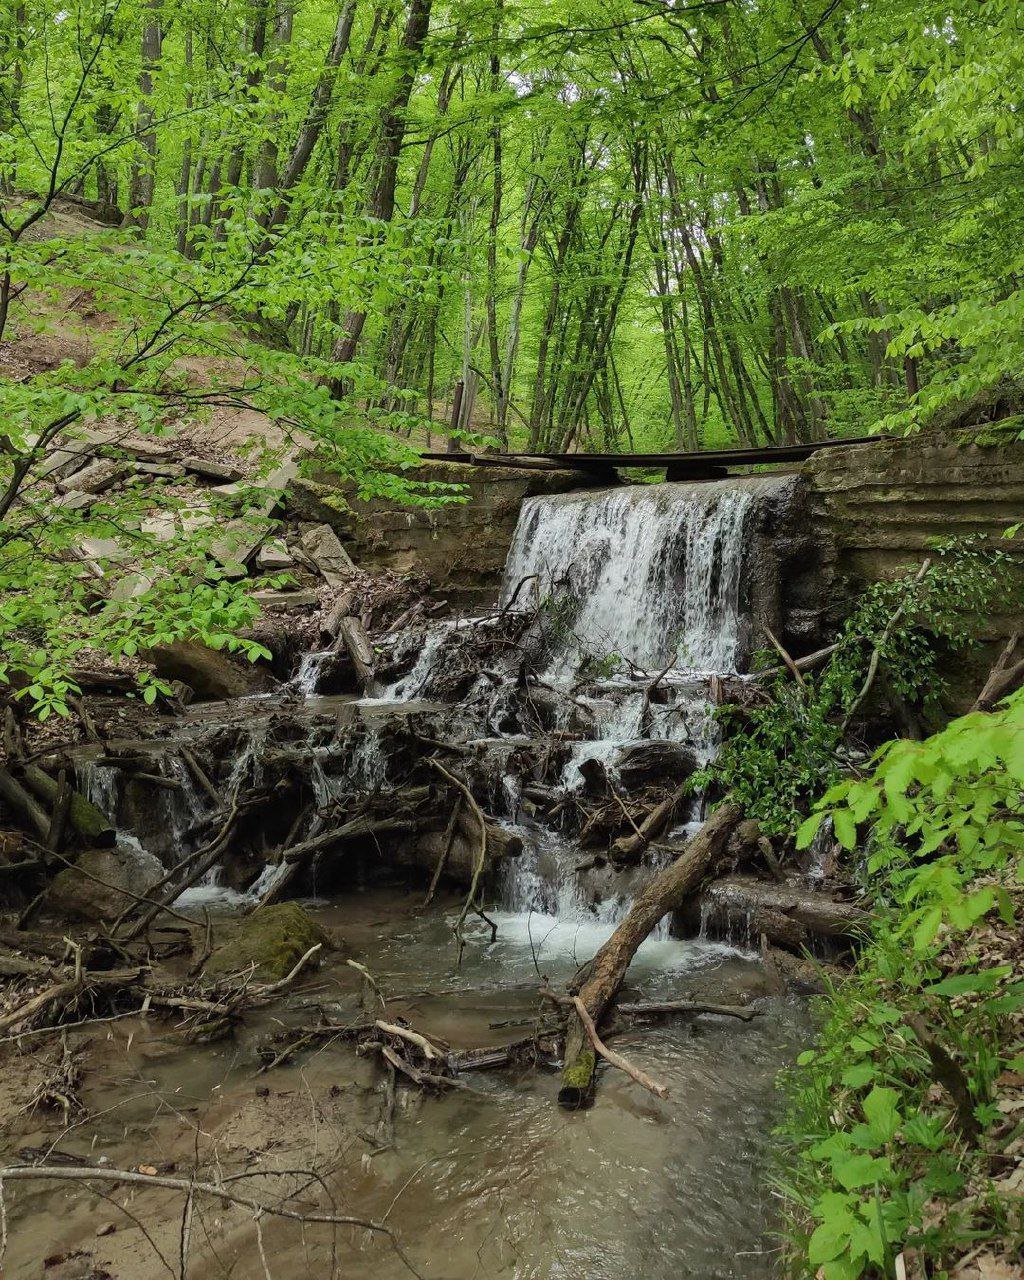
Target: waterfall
x,y
631,585
648,574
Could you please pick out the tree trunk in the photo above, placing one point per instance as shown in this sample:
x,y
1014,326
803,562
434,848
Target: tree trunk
x,y
666,892
143,182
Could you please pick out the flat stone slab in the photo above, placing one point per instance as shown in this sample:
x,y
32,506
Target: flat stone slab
x,y
104,549
274,554
161,470
96,477
161,527
221,471
291,600
75,501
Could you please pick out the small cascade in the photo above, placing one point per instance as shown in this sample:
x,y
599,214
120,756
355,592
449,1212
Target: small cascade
x,y
306,680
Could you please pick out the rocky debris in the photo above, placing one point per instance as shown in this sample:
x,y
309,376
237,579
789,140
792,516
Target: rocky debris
x,y
319,504
161,470
211,675
268,943
274,555
95,887
131,586
223,472
161,527
75,501
291,600
323,547
104,549
97,477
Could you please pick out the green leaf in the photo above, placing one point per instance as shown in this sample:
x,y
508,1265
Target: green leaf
x,y
881,1109
845,828
860,1170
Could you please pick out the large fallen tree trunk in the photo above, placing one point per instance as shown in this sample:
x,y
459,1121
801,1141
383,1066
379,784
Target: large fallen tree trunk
x,y
20,803
788,915
666,892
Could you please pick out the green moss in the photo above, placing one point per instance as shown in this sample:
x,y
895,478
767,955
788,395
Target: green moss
x,y
580,1074
270,942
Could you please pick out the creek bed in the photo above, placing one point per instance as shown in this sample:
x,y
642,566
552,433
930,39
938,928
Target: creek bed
x,y
493,1181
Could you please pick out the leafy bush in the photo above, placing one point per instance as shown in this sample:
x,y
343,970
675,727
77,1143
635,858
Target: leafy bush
x,y
893,1121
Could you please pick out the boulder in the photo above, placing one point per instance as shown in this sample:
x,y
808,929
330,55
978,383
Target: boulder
x,y
324,548
210,675
93,889
319,504
274,554
268,943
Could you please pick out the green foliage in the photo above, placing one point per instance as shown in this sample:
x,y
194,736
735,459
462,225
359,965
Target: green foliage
x,y
874,1139
784,751
613,226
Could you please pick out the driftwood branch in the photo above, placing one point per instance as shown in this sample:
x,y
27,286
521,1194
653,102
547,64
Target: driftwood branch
x,y
616,1059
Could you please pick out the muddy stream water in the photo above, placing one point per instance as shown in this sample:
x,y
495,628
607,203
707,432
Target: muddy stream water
x,y
491,1179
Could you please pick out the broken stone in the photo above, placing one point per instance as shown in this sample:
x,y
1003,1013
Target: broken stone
x,y
324,548
72,455
131,586
103,549
222,471
164,470
275,555
75,501
96,477
160,527
287,599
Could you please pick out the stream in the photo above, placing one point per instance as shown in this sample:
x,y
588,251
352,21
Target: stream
x,y
628,587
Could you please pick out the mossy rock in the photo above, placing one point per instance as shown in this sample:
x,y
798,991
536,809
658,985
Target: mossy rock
x,y
94,888
270,942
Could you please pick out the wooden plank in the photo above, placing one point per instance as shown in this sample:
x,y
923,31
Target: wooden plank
x,y
709,463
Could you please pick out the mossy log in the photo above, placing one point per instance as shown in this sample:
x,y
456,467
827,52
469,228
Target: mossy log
x,y
92,824
666,892
788,914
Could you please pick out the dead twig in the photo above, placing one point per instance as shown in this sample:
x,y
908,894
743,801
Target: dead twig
x,y
616,1059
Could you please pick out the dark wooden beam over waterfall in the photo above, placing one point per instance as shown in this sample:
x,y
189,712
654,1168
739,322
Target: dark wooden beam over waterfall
x,y
710,464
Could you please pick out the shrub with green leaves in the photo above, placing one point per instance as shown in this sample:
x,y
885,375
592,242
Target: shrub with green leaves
x,y
781,754
893,1120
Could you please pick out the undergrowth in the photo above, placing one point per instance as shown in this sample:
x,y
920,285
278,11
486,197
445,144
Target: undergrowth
x,y
904,1138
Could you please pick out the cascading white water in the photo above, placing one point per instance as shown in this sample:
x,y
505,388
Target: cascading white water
x,y
650,574
633,583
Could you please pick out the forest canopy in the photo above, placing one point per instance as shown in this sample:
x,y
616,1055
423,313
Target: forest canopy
x,y
626,224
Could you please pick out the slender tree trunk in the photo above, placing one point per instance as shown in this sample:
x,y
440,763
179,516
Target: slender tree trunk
x,y
143,184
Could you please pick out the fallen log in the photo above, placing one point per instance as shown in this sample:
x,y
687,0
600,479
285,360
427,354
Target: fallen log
x,y
91,823
664,893
355,827
787,914
629,848
613,1058
14,795
352,635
